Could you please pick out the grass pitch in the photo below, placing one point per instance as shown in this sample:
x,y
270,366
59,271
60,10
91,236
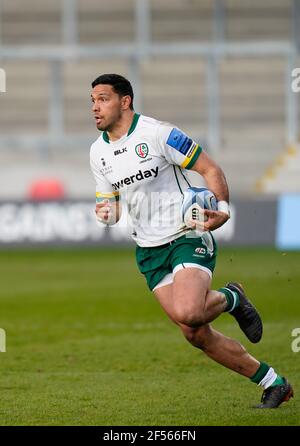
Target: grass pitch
x,y
87,344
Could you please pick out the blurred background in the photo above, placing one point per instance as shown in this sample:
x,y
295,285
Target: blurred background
x,y
86,342
221,70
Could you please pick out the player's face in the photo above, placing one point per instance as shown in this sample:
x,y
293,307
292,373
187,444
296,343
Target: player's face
x,y
107,106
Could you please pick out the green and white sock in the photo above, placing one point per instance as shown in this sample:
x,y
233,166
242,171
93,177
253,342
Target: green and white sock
x,y
232,298
265,376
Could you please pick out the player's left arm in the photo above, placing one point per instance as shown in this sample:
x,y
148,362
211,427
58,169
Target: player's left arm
x,y
181,150
216,182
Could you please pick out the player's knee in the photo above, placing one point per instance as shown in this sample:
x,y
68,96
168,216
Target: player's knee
x,y
196,336
192,338
189,317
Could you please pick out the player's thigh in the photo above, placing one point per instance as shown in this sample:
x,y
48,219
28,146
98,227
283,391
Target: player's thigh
x,y
164,296
197,336
189,290
184,299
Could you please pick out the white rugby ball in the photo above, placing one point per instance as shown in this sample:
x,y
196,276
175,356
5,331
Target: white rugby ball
x,y
195,200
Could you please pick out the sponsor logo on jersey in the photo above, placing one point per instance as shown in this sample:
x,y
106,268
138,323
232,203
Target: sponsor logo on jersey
x,y
137,177
200,250
105,169
119,151
142,150
190,152
181,142
145,160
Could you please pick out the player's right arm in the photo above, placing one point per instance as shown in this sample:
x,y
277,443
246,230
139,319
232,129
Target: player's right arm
x,y
108,209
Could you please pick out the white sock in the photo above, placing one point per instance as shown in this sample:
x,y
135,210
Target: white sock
x,y
268,379
235,298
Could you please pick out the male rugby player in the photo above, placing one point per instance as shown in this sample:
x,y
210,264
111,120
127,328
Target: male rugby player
x,y
144,161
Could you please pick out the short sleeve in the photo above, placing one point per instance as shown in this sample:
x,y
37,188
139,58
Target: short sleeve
x,y
177,147
104,190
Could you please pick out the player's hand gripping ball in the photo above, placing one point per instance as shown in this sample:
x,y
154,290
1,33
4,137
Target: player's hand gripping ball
x,y
195,201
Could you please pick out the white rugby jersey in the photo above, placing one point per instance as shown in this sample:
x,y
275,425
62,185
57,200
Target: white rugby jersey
x,y
146,168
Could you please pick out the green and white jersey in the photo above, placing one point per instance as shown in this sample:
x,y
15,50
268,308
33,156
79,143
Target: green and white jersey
x,y
146,168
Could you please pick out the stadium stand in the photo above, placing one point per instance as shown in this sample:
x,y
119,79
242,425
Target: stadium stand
x,y
38,23
283,174
173,88
113,21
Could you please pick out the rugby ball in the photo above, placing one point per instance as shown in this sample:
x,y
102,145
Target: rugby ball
x,y
195,200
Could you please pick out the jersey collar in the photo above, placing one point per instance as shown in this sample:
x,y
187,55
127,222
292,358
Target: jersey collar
x,y
136,117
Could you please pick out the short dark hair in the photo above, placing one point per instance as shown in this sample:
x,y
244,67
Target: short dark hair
x,y
120,84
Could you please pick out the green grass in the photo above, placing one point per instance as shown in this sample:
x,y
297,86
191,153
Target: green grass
x,y
87,344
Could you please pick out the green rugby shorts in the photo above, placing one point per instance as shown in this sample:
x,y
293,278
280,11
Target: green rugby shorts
x,y
160,263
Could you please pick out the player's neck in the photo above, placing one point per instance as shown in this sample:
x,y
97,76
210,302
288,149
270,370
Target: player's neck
x,y
121,127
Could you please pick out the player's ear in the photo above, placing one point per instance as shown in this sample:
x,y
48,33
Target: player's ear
x,y
126,101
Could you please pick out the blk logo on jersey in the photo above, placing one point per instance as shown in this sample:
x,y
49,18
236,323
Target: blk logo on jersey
x,y
142,150
118,152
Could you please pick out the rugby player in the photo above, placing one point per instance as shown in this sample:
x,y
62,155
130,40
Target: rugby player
x,y
144,161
